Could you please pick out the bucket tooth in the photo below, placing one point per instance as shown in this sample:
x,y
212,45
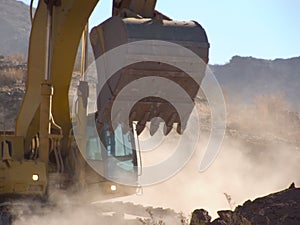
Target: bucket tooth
x,y
154,125
139,128
169,123
141,124
167,129
180,129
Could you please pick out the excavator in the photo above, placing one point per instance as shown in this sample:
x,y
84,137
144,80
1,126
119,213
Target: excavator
x,y
42,154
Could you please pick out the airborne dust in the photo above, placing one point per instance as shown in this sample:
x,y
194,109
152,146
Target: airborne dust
x,y
259,155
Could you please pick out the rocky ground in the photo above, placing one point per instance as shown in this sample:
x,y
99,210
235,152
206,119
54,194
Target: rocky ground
x,y
281,208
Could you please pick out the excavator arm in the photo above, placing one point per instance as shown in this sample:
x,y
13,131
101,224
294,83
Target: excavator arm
x,y
69,20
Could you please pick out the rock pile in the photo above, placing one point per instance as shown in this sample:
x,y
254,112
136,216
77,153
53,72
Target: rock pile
x,y
281,208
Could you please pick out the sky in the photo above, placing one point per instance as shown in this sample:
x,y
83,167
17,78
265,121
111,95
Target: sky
x,y
265,29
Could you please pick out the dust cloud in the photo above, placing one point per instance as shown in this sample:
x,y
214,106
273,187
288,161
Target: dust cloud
x,y
260,154
61,214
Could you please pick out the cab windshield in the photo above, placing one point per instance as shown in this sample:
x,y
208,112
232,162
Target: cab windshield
x,y
116,145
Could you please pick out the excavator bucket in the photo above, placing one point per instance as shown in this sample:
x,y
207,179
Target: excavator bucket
x,y
117,31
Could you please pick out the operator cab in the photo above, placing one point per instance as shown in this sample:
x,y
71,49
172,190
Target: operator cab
x,y
111,151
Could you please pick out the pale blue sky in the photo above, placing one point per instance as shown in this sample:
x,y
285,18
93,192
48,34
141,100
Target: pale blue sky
x,y
266,29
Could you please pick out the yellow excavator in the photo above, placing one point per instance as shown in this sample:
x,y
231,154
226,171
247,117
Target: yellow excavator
x,y
42,155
